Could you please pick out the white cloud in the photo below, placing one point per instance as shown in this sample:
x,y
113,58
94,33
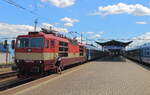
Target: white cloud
x,y
97,36
141,22
89,32
47,26
140,40
13,30
69,22
94,36
60,3
121,8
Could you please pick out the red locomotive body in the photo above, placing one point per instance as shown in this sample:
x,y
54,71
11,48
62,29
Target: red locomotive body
x,y
36,52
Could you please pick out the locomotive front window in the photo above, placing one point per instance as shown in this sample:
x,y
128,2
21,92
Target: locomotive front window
x,y
23,43
36,42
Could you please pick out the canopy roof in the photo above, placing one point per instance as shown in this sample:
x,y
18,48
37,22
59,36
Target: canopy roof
x,y
114,43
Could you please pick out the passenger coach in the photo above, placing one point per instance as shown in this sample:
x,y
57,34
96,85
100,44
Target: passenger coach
x,y
141,53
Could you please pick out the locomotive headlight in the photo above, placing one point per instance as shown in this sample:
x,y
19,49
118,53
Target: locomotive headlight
x,y
17,61
29,50
40,61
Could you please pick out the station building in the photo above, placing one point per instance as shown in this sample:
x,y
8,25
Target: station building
x,y
5,56
115,48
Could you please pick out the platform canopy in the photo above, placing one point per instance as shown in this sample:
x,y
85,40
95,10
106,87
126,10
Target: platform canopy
x,y
114,43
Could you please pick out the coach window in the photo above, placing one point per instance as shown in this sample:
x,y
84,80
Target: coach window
x,y
47,44
148,53
144,52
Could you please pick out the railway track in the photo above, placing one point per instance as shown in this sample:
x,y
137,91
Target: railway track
x,y
6,75
13,83
20,81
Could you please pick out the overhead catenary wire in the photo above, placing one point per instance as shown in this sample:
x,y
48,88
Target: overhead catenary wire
x,y
13,3
19,6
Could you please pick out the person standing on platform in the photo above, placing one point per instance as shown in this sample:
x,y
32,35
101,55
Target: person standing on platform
x,y
58,64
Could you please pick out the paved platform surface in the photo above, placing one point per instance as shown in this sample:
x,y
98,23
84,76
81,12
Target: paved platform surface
x,y
99,78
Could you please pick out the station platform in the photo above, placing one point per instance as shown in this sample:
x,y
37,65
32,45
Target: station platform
x,y
101,77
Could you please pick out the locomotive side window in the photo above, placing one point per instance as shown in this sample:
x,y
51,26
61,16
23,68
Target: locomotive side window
x,y
60,43
63,49
47,44
52,43
81,50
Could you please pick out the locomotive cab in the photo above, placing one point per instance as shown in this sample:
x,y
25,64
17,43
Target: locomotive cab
x,y
31,53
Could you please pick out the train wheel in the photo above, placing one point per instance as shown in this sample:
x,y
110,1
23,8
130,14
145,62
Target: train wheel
x,y
18,76
54,70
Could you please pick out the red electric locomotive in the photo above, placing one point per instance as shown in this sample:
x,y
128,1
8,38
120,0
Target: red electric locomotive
x,y
36,52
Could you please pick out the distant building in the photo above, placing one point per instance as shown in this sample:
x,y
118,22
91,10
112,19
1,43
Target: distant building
x,y
3,55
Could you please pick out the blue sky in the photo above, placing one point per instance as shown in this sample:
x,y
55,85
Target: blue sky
x,y
115,19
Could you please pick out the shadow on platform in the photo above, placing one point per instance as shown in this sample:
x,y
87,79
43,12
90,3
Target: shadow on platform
x,y
112,59
143,65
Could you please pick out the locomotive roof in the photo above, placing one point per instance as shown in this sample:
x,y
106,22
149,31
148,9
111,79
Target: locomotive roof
x,y
41,34
51,36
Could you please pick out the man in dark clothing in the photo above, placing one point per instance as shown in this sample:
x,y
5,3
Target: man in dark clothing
x,y
58,64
